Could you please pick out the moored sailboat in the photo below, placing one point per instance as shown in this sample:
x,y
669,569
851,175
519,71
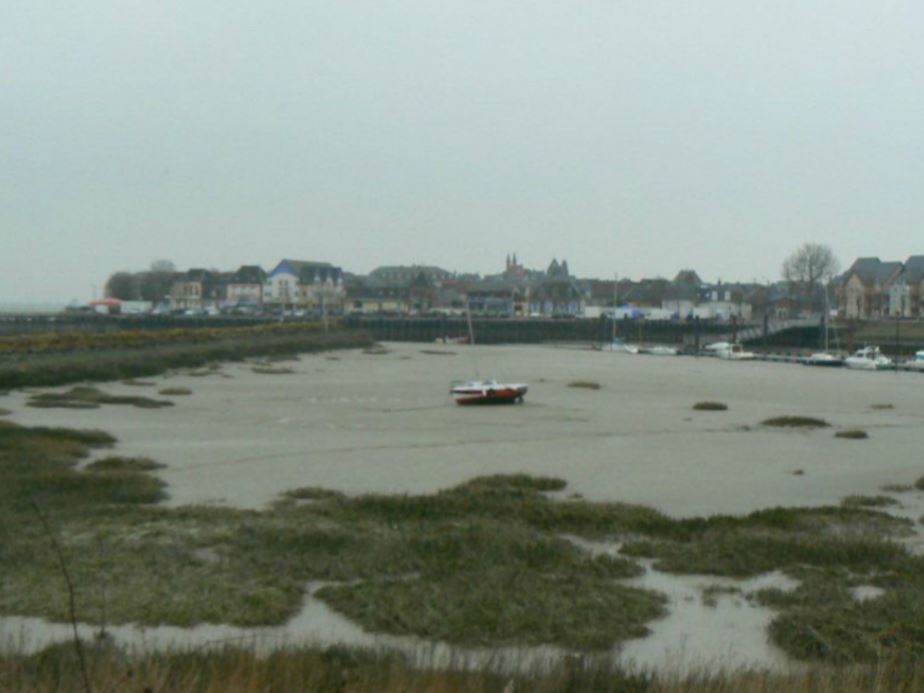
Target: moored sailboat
x,y
486,391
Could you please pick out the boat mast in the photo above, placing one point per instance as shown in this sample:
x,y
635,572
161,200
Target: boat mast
x,y
471,335
827,317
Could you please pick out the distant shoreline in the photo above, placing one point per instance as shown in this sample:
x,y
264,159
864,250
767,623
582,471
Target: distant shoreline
x,y
31,308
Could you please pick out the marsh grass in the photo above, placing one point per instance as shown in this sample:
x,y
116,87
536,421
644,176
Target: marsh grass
x,y
585,384
896,488
175,391
358,670
483,563
868,501
710,406
919,484
795,422
71,358
852,434
89,398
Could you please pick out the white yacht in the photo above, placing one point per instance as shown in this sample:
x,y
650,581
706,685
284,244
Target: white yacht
x,y
734,352
917,363
868,359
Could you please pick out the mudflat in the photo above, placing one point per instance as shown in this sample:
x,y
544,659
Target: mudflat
x,y
382,421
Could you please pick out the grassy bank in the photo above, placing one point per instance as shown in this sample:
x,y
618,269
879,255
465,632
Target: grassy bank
x,y
60,359
485,563
361,671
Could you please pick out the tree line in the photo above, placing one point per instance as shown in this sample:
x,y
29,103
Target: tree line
x,y
152,284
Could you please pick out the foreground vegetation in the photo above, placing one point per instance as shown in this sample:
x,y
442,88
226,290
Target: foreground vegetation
x,y
363,671
484,563
60,359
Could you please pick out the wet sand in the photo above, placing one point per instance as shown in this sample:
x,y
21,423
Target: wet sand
x,y
385,423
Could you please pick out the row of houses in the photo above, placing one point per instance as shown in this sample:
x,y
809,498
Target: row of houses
x,y
869,289
555,292
292,283
872,289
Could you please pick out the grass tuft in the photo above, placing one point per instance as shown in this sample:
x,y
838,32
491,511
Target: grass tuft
x,y
175,391
585,384
882,406
710,406
796,422
124,464
138,383
89,398
5,412
312,493
868,501
852,434
272,370
896,488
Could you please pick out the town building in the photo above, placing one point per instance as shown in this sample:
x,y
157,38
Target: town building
x,y
192,290
245,286
862,291
314,286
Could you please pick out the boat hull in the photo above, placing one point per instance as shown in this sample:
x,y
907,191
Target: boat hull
x,y
824,360
502,394
868,365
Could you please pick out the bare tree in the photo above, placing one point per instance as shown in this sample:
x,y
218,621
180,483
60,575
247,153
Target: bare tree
x,y
813,264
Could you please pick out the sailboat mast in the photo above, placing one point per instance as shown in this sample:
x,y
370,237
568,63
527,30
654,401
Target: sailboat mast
x,y
471,335
827,317
468,317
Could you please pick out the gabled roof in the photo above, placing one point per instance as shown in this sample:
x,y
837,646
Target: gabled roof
x,y
646,291
872,270
558,289
198,275
307,271
498,284
248,274
913,270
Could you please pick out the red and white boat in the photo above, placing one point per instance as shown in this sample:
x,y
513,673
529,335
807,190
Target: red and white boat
x,y
488,392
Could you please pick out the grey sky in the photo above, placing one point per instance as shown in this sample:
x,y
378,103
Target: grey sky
x,y
629,137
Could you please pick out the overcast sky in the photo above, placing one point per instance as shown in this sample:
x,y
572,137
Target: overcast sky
x,y
632,138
